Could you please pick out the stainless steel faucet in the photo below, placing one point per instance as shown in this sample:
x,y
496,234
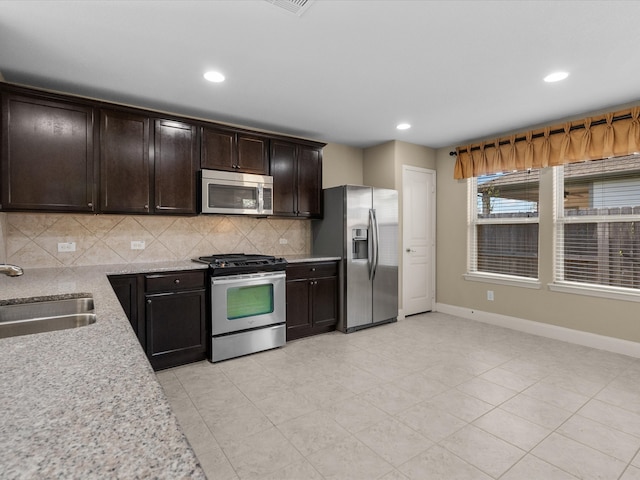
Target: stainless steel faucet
x,y
11,270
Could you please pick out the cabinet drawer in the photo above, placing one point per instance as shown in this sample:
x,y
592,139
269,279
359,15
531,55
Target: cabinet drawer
x,y
173,281
312,270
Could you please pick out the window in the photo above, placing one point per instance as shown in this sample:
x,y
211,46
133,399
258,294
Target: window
x,y
597,223
503,224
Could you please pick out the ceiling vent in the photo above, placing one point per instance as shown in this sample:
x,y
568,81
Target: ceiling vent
x,y
297,7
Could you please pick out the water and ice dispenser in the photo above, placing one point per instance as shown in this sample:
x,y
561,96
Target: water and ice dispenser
x,y
360,243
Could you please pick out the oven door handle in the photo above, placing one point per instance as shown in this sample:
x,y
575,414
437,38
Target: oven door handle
x,y
243,278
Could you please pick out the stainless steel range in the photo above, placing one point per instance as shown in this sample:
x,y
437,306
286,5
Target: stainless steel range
x,y
248,304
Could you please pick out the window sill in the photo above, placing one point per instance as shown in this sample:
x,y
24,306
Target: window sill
x,y
595,291
503,280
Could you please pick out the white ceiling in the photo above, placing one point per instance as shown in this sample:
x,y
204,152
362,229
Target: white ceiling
x,y
345,71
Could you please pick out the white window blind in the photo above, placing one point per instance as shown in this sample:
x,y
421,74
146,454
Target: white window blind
x,y
503,224
598,223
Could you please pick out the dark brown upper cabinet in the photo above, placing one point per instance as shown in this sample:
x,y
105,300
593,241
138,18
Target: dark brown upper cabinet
x,y
64,153
47,159
175,167
140,176
125,173
234,151
297,179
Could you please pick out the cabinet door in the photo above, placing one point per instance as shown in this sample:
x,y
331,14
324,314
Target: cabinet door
x,y
283,170
175,163
309,182
124,162
324,303
298,312
176,329
234,151
218,149
126,289
47,156
252,154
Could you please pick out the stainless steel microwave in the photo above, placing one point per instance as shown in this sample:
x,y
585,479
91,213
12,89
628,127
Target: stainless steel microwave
x,y
236,193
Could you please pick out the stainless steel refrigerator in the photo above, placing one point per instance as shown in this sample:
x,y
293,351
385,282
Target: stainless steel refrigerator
x,y
360,225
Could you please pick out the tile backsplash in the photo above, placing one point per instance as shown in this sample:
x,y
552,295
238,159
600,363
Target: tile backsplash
x,y
31,239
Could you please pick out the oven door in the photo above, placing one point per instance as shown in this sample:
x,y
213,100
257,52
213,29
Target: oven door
x,y
241,302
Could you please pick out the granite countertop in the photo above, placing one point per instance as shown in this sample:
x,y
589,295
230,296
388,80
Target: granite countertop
x,y
84,402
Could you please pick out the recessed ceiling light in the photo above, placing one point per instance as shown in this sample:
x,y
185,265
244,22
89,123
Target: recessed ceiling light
x,y
215,77
403,126
556,77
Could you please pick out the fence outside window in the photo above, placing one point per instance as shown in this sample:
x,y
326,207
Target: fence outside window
x,y
598,222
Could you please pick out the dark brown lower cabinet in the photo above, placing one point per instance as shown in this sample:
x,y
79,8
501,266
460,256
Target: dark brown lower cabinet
x,y
171,311
312,298
126,289
175,328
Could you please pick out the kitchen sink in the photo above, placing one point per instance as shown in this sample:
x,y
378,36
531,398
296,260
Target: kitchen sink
x,y
45,316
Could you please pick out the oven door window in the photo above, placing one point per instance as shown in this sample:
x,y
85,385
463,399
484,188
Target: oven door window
x,y
233,196
245,302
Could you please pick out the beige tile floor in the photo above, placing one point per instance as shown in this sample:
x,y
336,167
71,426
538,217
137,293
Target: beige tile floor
x,y
430,397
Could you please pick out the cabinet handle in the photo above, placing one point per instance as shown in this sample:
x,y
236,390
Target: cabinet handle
x,y
313,269
176,281
148,301
90,204
146,207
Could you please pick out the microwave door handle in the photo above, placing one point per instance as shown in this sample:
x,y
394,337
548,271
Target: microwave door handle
x,y
260,198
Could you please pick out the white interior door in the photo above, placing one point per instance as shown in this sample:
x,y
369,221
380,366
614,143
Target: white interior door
x,y
418,238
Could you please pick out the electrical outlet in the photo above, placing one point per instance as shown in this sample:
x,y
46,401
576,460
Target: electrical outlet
x,y
67,247
490,295
283,241
137,245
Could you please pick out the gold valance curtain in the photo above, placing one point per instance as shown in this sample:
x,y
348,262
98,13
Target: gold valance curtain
x,y
609,135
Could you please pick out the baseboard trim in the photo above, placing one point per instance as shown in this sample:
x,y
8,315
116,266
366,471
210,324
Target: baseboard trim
x,y
587,339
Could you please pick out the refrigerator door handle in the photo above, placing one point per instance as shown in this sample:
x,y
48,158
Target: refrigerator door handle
x,y
371,252
373,222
